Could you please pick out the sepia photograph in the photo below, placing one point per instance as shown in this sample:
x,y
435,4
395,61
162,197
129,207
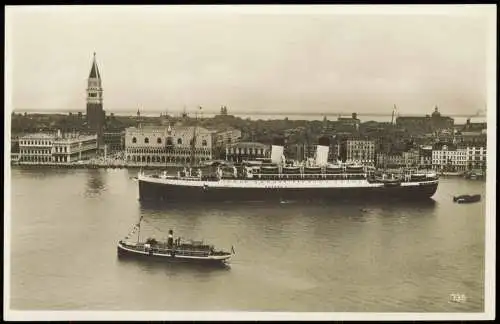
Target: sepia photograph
x,y
236,162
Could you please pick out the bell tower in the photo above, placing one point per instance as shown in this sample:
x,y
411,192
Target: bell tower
x,y
95,112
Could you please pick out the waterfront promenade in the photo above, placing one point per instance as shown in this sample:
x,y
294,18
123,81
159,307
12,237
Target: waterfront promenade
x,y
101,163
97,163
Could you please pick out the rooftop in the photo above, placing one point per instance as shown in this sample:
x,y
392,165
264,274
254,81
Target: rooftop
x,y
248,145
38,136
55,137
174,129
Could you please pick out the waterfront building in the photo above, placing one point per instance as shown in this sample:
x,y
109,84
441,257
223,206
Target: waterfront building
x,y
14,144
36,147
425,157
245,151
14,148
49,148
360,151
95,113
385,160
74,147
411,158
449,159
226,136
114,141
299,152
476,158
160,144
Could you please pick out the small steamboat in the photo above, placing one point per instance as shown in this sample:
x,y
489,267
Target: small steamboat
x,y
177,250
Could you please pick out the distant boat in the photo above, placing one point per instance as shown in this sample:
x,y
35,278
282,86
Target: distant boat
x,y
462,199
177,250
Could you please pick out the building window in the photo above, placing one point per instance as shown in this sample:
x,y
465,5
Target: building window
x,y
158,140
146,140
179,141
134,140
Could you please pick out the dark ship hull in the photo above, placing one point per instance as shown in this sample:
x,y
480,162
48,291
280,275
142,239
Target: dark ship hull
x,y
169,192
130,253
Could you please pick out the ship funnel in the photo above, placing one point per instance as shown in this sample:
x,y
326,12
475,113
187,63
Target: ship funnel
x,y
277,149
322,151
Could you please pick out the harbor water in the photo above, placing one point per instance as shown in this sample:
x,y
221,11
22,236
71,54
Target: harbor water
x,y
290,257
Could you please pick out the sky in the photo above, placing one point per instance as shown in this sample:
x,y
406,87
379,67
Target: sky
x,y
272,59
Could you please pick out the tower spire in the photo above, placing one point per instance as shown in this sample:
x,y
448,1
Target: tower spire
x,y
94,71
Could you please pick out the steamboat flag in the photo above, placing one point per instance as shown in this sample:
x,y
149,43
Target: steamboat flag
x,y
232,249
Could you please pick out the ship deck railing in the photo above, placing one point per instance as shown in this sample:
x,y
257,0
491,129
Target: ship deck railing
x,y
179,250
372,176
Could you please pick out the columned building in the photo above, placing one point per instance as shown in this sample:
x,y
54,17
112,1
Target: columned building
x,y
95,112
160,144
49,148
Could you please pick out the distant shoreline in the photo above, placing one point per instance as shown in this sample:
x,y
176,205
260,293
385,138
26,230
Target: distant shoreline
x,y
254,116
28,165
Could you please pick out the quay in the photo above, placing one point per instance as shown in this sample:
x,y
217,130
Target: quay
x,y
96,165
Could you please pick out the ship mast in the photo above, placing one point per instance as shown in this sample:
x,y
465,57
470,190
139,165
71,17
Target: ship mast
x,y
139,229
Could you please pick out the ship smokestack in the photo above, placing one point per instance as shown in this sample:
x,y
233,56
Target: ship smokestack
x,y
322,151
277,149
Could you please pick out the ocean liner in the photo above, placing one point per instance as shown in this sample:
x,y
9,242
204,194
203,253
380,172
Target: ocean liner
x,y
279,179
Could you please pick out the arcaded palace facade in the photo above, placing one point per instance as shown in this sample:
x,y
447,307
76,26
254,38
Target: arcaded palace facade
x,y
161,144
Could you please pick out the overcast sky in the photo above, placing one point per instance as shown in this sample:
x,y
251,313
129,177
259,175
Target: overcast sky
x,y
162,58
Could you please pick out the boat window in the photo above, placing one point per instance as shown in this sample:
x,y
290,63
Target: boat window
x,y
146,140
204,143
134,140
179,141
158,140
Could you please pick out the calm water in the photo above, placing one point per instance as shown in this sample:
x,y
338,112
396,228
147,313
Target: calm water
x,y
289,257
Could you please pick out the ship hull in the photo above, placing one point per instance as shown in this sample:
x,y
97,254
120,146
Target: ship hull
x,y
166,192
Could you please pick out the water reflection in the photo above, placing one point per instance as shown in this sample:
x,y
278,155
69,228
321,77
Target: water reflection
x,y
361,206
95,182
154,265
41,172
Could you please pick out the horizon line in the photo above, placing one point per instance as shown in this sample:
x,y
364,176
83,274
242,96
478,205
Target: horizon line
x,y
260,113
